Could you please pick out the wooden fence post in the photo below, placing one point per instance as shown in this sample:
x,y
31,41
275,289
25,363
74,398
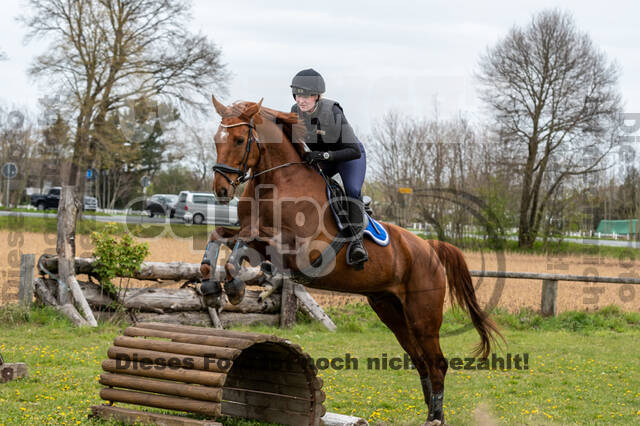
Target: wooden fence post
x,y
25,292
549,297
288,306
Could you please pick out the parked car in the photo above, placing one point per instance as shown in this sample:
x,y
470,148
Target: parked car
x,y
51,199
202,207
161,204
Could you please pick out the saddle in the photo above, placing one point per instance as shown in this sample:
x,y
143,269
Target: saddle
x,y
340,209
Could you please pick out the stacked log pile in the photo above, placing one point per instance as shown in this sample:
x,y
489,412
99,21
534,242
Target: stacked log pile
x,y
184,305
212,373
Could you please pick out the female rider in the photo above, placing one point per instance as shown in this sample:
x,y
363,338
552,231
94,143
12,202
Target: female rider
x,y
335,148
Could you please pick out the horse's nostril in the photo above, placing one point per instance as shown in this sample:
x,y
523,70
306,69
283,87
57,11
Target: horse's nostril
x,y
223,192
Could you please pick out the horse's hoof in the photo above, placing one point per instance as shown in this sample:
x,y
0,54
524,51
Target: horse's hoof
x,y
211,287
234,290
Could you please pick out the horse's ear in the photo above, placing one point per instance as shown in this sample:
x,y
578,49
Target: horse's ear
x,y
221,109
252,110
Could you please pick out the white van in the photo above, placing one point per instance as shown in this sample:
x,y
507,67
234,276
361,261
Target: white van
x,y
202,207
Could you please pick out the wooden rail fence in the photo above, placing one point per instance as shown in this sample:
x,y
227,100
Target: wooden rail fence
x,y
548,302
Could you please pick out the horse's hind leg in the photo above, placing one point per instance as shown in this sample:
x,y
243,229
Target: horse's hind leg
x,y
423,311
390,310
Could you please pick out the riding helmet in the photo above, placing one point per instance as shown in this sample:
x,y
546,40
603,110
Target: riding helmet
x,y
307,82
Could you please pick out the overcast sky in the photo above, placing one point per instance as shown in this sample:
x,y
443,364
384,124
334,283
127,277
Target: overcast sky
x,y
374,55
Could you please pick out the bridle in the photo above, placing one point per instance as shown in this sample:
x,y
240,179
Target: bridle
x,y
223,169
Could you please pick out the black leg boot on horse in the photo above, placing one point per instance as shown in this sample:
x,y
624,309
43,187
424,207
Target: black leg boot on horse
x,y
210,288
356,252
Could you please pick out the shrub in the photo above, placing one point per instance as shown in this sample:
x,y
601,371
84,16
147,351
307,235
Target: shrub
x,y
116,257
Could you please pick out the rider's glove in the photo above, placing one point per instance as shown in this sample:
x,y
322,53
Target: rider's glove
x,y
315,156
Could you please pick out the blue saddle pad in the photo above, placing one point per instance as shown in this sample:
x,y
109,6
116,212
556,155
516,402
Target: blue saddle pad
x,y
374,230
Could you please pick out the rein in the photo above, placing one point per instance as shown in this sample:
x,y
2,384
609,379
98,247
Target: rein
x,y
223,169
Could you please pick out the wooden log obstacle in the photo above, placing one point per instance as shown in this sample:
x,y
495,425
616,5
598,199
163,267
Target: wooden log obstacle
x,y
12,371
185,306
209,372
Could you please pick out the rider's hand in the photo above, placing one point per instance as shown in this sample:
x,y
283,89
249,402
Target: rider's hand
x,y
315,156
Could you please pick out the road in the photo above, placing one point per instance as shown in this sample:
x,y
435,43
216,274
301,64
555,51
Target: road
x,y
134,219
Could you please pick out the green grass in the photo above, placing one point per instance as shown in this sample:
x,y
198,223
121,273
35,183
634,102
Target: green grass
x,y
582,368
86,226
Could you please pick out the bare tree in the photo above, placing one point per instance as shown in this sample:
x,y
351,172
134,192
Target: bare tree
x,y
18,144
554,98
200,153
103,53
398,158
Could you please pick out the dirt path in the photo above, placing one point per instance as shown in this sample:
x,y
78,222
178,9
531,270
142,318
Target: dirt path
x,y
515,294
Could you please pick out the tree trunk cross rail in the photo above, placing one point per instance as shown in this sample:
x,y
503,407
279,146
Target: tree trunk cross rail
x,y
183,306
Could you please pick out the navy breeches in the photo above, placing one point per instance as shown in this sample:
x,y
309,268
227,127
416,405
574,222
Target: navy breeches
x,y
351,172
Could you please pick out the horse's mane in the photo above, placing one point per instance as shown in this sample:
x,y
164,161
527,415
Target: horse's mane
x,y
289,124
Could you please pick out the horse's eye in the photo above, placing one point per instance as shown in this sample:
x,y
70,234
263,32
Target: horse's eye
x,y
239,141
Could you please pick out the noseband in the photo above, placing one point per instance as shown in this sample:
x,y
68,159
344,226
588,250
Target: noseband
x,y
223,169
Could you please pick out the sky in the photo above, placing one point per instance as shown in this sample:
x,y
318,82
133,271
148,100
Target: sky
x,y
375,56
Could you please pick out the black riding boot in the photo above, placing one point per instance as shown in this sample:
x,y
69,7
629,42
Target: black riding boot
x,y
356,253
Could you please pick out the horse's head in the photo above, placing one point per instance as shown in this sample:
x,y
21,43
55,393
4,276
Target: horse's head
x,y
236,145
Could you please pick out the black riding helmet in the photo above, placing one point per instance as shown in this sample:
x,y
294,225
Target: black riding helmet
x,y
307,82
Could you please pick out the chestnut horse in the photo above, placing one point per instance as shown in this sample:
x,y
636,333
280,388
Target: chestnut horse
x,y
283,207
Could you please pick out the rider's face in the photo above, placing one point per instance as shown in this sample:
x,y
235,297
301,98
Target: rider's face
x,y
306,103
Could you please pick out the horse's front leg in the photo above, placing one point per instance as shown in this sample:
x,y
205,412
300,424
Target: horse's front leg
x,y
234,287
210,288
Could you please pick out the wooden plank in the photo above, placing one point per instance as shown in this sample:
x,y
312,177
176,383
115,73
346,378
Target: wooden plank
x,y
163,271
202,318
556,277
229,319
25,292
312,307
177,348
152,299
549,298
162,359
206,378
196,318
227,342
128,416
13,371
203,393
288,306
207,408
200,330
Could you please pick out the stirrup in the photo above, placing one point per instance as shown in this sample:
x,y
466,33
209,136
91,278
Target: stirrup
x,y
357,264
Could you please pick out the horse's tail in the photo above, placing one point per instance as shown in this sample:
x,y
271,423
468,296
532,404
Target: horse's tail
x,y
461,290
